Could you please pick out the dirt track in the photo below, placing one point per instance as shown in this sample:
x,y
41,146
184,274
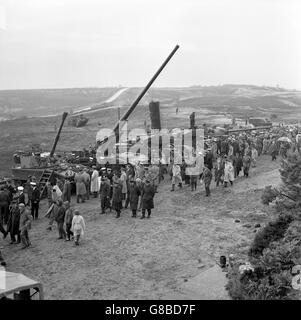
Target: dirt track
x,y
146,259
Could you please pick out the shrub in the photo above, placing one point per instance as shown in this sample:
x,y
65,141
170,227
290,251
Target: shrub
x,y
273,231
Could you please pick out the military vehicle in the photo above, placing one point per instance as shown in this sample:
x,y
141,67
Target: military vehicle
x,y
43,166
78,121
19,287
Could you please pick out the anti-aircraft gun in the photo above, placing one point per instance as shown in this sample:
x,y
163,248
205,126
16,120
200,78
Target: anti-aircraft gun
x,y
40,165
116,128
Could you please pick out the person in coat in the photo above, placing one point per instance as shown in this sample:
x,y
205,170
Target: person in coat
x,y
20,197
237,164
78,227
139,171
60,219
193,173
14,223
49,193
176,176
228,173
209,159
4,206
147,198
117,197
274,151
25,225
86,178
80,187
134,193
11,190
67,191
219,170
254,156
68,220
246,165
123,179
94,182
154,174
104,194
207,177
35,201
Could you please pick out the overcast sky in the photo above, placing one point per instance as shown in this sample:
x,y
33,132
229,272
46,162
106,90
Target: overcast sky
x,y
81,43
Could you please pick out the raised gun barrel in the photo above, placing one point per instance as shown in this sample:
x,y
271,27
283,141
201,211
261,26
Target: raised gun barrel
x,y
135,103
65,114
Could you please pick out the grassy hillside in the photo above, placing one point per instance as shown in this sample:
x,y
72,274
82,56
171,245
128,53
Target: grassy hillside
x,y
211,104
19,103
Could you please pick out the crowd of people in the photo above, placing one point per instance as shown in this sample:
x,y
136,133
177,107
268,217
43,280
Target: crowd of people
x,y
135,186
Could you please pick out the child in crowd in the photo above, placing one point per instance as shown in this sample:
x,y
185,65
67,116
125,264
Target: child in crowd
x,y
78,226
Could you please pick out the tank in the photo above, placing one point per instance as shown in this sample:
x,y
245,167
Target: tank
x,y
78,121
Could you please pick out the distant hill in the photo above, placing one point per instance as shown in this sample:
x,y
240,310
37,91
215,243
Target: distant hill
x,y
41,102
231,98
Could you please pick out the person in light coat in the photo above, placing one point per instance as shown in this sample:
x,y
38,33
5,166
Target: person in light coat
x,y
86,178
254,156
176,176
228,173
94,182
80,187
123,180
78,227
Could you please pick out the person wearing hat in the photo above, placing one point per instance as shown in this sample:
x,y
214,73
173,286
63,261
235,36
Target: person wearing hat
x,y
80,187
20,195
86,178
134,193
60,219
14,222
176,176
110,180
246,160
207,177
104,194
123,179
35,201
78,226
94,182
154,175
228,172
117,197
4,205
238,164
147,199
56,195
11,190
68,220
66,190
25,225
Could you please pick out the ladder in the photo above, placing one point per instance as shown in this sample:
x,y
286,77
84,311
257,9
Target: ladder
x,y
45,177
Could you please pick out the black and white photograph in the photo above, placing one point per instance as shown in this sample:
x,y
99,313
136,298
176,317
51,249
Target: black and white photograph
x,y
150,151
